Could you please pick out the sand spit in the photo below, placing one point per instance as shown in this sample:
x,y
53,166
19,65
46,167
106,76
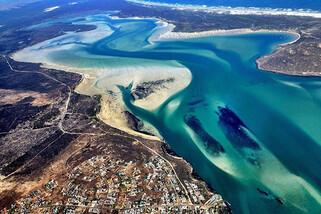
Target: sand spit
x,y
138,75
167,33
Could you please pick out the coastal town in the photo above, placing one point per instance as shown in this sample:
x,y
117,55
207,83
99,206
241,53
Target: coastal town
x,y
104,184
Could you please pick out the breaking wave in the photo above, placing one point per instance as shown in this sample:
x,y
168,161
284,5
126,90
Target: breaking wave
x,y
235,10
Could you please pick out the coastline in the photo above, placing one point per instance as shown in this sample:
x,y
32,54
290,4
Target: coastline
x,y
169,34
172,35
262,63
232,10
112,102
113,110
57,171
279,71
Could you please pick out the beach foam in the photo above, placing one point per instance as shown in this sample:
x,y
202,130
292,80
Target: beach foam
x,y
234,10
49,9
73,3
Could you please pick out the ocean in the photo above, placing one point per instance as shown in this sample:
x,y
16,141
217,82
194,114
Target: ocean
x,y
275,4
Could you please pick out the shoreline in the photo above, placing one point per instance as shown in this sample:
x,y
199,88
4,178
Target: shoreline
x,y
179,166
110,77
262,60
276,71
104,97
164,32
170,34
232,10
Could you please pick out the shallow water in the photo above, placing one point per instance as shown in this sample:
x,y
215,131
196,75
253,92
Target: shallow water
x,y
266,123
253,136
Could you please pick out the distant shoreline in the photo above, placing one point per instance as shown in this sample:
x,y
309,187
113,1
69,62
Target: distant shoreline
x,y
169,34
233,10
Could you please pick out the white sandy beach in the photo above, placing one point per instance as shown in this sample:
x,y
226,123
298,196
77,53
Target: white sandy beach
x,y
166,32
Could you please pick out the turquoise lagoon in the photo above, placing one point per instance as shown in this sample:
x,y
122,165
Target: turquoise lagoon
x,y
253,136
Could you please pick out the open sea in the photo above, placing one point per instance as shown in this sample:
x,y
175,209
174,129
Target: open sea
x,y
288,4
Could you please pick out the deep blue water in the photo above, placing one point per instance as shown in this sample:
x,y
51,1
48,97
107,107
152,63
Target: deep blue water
x,y
293,4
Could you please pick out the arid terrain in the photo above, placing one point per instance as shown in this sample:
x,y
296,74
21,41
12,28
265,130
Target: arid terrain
x,y
56,154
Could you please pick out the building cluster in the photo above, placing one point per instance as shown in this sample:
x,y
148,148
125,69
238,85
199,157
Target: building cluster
x,y
103,184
